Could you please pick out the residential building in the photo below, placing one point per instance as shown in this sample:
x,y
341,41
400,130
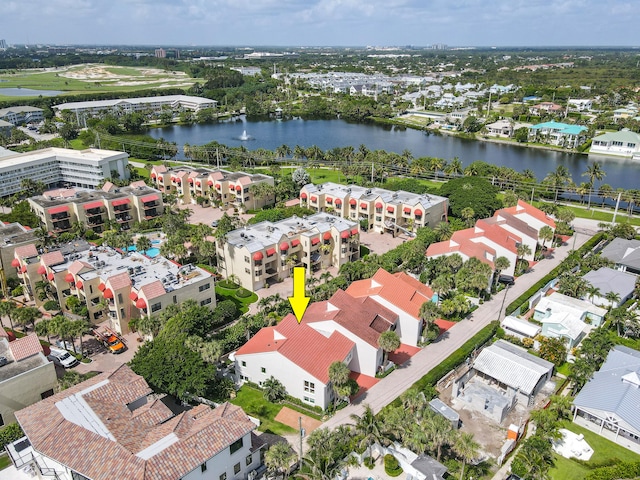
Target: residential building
x,y
298,356
608,403
610,281
160,53
501,128
559,134
525,219
27,378
5,128
624,143
13,235
218,187
114,285
567,318
266,252
579,105
59,209
630,111
545,108
384,211
501,375
22,114
519,328
624,253
400,293
114,426
121,106
61,167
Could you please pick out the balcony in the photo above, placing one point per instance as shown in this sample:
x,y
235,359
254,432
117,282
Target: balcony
x,y
122,208
150,205
58,217
94,211
95,221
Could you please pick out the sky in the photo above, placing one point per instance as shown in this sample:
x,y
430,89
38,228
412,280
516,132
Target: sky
x,y
321,22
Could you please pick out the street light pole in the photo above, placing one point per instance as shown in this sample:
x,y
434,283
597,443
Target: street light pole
x,y
504,298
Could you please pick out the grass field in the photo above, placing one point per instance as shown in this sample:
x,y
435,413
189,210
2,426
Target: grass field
x,y
254,404
566,469
90,78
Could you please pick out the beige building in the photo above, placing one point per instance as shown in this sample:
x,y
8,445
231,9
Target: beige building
x,y
266,252
215,186
385,211
112,284
27,378
60,209
13,235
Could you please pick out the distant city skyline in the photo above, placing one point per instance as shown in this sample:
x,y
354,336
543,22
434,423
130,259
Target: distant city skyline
x,y
322,22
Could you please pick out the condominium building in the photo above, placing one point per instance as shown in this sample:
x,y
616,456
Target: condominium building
x,y
13,235
59,209
113,284
384,211
266,252
21,114
120,106
215,186
114,426
26,378
58,167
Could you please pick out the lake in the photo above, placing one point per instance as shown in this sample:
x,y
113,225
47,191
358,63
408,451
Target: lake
x,y
328,134
28,92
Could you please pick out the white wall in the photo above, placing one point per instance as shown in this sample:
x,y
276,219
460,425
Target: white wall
x,y
408,327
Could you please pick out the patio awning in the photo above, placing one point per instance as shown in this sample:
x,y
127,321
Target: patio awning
x,y
92,205
120,201
60,209
149,198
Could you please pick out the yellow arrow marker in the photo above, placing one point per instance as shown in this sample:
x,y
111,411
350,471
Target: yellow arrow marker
x,y
299,302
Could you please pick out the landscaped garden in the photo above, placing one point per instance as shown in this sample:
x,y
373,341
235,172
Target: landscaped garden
x,y
228,290
253,403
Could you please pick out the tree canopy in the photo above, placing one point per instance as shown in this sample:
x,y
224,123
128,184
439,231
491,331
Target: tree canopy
x,y
471,192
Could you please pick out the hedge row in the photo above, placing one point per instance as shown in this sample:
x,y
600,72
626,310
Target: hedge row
x,y
622,470
455,359
522,299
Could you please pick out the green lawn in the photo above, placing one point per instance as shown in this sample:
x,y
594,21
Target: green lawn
x,y
582,212
241,303
253,403
4,461
566,469
564,369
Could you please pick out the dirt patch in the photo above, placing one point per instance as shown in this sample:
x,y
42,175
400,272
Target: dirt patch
x,y
291,418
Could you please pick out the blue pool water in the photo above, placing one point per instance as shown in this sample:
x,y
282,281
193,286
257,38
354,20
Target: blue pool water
x,y
152,252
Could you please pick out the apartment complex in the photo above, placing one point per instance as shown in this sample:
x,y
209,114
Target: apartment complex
x,y
22,114
113,284
27,378
121,106
13,235
385,211
267,251
215,186
114,426
59,209
61,167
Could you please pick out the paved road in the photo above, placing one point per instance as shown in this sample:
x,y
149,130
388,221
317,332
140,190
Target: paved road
x,y
388,389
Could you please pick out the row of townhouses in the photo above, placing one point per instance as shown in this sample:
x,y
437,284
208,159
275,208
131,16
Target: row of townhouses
x,y
346,328
59,209
60,167
22,114
113,284
498,236
215,186
384,211
267,252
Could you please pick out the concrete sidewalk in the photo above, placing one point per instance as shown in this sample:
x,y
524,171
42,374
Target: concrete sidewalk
x,y
385,391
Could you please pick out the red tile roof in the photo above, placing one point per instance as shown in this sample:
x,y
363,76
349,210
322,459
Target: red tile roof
x,y
217,175
121,280
524,207
25,347
107,187
26,251
52,258
199,434
152,290
159,168
77,266
302,345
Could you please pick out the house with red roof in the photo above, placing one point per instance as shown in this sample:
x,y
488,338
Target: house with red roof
x,y
298,356
529,214
399,293
114,426
26,378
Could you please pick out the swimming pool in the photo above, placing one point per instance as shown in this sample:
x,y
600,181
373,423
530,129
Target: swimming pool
x,y
152,252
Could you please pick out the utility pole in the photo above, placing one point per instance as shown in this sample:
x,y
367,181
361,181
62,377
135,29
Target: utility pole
x,y
301,438
371,172
503,300
615,213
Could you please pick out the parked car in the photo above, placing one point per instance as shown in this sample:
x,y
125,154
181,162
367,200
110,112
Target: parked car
x,y
111,340
3,361
62,358
64,345
507,279
214,224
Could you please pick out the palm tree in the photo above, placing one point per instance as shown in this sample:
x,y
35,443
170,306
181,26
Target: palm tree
x,y
468,215
143,244
523,250
559,178
338,376
592,292
7,307
274,391
594,172
439,432
368,427
279,458
388,341
43,329
441,284
501,264
428,313
605,192
443,231
454,167
612,297
466,448
545,234
27,315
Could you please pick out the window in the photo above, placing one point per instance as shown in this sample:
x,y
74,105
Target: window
x,y
378,219
263,370
309,399
204,302
244,364
248,460
46,394
203,467
309,387
246,270
223,476
258,273
246,259
175,299
119,298
235,446
204,287
156,306
236,468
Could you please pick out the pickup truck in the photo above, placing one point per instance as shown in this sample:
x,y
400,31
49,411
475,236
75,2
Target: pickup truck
x,y
111,340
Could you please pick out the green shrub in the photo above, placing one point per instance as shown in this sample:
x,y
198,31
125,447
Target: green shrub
x,y
391,466
368,462
228,285
243,293
10,433
621,470
51,306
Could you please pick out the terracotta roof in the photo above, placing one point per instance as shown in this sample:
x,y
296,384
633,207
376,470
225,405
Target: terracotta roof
x,y
159,168
116,449
524,207
302,345
52,258
119,281
244,180
364,317
25,347
152,290
465,247
499,235
139,183
502,217
217,175
26,251
194,174
181,174
107,187
77,266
